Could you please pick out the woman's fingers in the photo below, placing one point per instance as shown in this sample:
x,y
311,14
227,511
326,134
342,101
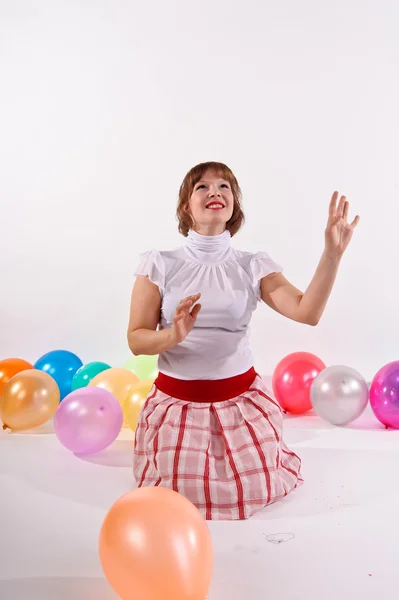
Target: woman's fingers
x,y
195,311
187,302
184,311
191,299
183,307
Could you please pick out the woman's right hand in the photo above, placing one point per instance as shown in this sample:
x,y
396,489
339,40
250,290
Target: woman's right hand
x,y
185,318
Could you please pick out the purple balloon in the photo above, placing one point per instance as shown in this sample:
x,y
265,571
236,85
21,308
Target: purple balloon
x,y
88,420
384,395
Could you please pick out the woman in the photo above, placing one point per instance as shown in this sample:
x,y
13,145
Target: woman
x,y
208,429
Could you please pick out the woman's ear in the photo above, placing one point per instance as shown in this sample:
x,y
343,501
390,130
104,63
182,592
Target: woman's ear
x,y
187,210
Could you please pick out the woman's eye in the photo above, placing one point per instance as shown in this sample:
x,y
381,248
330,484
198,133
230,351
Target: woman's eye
x,y
225,185
200,186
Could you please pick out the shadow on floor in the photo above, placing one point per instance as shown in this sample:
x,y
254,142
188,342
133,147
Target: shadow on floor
x,y
61,588
120,454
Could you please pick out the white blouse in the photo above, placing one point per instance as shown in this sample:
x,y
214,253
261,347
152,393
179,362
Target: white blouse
x,y
229,282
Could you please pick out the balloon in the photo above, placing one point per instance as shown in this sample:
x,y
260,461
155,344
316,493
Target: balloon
x,y
134,402
155,545
62,366
384,395
339,394
10,367
292,380
116,381
145,367
85,374
88,420
28,400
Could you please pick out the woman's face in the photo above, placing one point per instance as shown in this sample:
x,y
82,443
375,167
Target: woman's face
x,y
211,204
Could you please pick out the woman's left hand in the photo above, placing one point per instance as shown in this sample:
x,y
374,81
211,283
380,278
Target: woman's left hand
x,y
339,232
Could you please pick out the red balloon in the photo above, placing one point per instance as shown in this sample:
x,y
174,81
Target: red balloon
x,y
292,380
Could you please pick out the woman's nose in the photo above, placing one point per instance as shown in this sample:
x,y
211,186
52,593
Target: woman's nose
x,y
213,192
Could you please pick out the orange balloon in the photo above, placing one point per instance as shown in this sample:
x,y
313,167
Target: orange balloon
x,y
10,367
118,382
28,400
155,545
134,402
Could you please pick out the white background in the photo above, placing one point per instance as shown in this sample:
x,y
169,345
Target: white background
x,y
344,519
105,105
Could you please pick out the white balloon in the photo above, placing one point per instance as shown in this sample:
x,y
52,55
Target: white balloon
x,y
339,394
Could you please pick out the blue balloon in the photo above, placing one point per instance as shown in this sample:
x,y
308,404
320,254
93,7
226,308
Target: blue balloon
x,y
62,366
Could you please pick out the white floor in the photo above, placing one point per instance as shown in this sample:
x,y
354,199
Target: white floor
x,y
342,526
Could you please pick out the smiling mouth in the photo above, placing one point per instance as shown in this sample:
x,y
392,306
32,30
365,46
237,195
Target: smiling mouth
x,y
215,206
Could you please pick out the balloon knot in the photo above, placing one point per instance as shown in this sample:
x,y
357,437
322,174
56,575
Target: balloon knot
x,y
5,427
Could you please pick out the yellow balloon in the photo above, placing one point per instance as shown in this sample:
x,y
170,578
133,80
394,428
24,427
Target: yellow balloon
x,y
28,400
134,402
117,381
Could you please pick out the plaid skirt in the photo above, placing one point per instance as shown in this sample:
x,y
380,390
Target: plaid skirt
x,y
226,456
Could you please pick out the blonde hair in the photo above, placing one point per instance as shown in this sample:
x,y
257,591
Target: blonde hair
x,y
186,189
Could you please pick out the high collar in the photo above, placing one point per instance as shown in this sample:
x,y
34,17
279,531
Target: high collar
x,y
209,243
209,248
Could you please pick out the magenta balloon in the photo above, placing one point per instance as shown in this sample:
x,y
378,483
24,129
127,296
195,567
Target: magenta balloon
x,y
384,395
88,420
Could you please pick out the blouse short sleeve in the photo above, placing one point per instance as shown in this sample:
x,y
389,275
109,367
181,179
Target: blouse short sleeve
x,y
152,265
261,265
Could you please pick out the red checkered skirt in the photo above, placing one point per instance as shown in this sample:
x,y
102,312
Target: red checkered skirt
x,y
227,457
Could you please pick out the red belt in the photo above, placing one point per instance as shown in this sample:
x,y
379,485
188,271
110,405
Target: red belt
x,y
205,390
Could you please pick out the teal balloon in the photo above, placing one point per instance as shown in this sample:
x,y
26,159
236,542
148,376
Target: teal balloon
x,y
145,367
86,373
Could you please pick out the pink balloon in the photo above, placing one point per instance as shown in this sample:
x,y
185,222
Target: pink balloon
x,y
384,395
88,420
